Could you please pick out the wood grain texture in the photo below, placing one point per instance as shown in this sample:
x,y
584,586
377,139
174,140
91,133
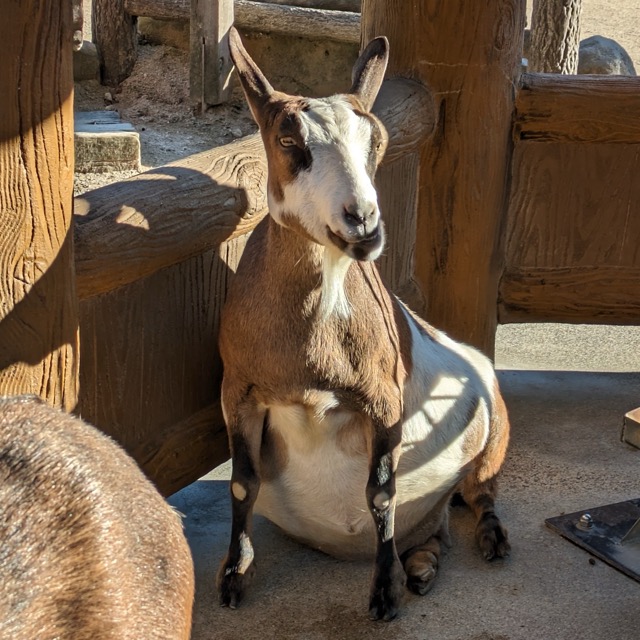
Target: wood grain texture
x,y
210,62
180,9
129,230
38,306
572,251
116,39
552,108
317,24
179,455
585,295
555,36
590,218
468,55
151,372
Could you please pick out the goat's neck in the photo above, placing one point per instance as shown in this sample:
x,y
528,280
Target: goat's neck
x,y
315,271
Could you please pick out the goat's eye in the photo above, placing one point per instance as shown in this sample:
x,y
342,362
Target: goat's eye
x,y
287,141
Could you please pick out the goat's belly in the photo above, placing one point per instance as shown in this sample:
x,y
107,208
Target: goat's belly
x,y
319,495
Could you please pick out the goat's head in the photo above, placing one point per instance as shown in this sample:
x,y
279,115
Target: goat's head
x,y
323,154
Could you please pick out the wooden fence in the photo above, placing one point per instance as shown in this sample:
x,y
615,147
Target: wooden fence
x,y
508,198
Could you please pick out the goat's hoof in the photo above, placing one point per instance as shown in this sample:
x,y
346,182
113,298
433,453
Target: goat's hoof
x,y
492,537
232,586
421,568
386,594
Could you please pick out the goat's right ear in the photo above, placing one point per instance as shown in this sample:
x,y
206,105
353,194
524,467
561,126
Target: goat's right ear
x,y
256,87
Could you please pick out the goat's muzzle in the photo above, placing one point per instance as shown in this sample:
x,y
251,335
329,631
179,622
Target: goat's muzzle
x,y
359,244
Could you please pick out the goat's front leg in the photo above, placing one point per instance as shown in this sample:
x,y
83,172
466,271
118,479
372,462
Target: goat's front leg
x,y
244,426
387,587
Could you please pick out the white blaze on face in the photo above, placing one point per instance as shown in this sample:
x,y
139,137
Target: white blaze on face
x,y
340,143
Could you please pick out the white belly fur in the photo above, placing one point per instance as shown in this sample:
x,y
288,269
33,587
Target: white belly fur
x,y
320,495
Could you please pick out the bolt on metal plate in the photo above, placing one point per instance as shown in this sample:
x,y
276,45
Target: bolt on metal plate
x,y
610,532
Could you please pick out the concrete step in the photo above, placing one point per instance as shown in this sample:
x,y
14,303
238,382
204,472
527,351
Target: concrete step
x,y
104,143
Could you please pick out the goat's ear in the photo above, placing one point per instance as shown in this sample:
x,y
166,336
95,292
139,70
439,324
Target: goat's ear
x,y
256,87
368,71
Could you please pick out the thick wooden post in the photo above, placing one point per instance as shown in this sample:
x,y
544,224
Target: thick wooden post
x,y
115,34
210,61
38,307
468,54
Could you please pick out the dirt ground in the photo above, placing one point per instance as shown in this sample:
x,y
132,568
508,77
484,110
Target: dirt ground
x,y
155,98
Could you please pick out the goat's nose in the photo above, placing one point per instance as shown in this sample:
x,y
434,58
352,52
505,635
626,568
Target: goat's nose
x,y
361,219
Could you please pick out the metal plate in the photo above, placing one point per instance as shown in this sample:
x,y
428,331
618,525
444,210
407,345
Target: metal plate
x,y
603,537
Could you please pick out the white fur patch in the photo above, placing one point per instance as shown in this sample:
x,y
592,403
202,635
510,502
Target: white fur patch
x,y
332,297
239,492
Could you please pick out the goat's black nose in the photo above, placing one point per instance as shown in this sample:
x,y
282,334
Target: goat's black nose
x,y
359,218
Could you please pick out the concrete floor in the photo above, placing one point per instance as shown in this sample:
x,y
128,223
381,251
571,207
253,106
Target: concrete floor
x,y
567,389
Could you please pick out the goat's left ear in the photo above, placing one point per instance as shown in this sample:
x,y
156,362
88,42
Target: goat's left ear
x,y
368,71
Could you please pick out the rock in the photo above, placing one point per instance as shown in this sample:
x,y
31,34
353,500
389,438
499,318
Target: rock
x,y
600,55
85,63
104,143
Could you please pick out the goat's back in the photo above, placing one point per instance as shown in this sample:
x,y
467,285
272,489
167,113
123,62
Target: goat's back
x,y
88,547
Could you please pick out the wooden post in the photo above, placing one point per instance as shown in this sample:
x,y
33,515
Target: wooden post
x,y
115,35
210,61
38,307
555,36
468,54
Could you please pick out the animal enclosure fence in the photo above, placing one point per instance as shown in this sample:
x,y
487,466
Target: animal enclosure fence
x,y
509,197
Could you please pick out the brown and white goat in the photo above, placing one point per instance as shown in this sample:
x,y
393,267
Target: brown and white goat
x,y
351,421
89,550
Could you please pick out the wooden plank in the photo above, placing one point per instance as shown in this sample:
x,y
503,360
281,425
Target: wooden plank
x,y
38,306
574,205
586,295
129,230
465,164
553,108
572,252
116,38
210,62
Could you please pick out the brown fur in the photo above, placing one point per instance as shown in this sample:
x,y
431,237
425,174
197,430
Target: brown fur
x,y
89,550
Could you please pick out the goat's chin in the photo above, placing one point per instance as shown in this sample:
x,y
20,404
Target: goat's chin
x,y
365,250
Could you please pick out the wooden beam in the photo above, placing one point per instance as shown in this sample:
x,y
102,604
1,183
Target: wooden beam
x,y
183,452
332,5
468,54
586,109
38,305
317,24
303,22
209,60
129,230
589,295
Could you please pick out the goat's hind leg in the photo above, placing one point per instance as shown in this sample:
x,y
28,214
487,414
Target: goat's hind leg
x,y
421,565
479,488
